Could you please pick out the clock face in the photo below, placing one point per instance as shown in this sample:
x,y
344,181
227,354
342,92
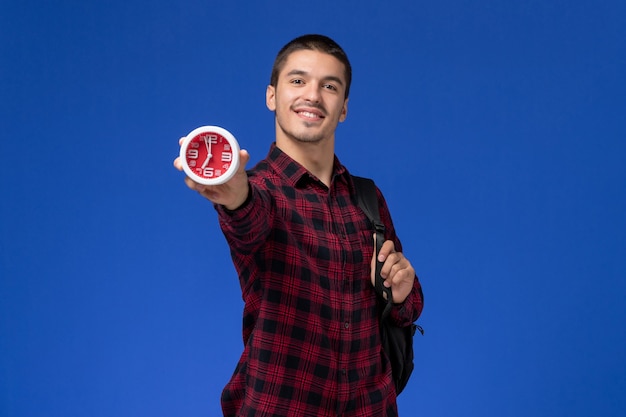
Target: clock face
x,y
210,155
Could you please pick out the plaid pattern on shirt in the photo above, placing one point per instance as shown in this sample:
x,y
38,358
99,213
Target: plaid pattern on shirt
x,y
311,320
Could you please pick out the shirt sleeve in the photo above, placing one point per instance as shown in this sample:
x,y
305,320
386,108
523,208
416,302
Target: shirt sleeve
x,y
409,311
247,227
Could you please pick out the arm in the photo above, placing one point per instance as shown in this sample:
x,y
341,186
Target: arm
x,y
243,209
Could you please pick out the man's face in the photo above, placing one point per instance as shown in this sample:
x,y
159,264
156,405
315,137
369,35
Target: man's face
x,y
308,97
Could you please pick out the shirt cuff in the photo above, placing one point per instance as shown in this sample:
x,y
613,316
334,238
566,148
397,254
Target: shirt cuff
x,y
407,312
243,206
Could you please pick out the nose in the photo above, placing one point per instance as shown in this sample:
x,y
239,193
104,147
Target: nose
x,y
312,92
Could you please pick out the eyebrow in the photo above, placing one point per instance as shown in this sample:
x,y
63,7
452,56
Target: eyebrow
x,y
326,78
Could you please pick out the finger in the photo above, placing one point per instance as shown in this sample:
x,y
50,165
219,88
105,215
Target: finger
x,y
191,184
373,267
397,264
177,164
387,249
394,262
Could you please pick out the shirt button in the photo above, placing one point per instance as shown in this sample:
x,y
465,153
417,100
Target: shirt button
x,y
346,325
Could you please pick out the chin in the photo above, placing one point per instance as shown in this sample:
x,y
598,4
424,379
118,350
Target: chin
x,y
305,136
308,138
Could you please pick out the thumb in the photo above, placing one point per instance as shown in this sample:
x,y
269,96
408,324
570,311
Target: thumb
x,y
244,157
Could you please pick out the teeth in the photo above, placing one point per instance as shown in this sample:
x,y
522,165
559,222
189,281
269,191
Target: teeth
x,y
308,114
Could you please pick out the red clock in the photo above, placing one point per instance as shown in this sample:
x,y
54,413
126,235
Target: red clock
x,y
210,155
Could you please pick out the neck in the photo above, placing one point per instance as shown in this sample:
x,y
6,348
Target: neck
x,y
316,157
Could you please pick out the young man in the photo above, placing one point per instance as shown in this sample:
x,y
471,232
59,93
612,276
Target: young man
x,y
303,250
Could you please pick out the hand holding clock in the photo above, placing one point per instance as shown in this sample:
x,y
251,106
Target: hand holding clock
x,y
222,177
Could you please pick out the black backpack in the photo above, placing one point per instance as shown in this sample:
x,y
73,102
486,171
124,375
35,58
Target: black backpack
x,y
397,341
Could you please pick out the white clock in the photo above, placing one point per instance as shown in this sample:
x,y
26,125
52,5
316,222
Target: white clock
x,y
210,155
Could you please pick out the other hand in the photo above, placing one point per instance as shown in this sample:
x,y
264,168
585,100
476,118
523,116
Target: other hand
x,y
397,272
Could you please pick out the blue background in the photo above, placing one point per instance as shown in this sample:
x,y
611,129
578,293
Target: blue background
x,y
495,129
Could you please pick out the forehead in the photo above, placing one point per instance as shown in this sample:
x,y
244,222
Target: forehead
x,y
314,63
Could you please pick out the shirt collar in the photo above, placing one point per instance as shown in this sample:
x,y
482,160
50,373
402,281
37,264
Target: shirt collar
x,y
294,173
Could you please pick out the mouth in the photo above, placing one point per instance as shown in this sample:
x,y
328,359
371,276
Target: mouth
x,y
309,114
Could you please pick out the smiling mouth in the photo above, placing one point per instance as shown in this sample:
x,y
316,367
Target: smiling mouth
x,y
309,115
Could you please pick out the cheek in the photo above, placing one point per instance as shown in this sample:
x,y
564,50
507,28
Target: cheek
x,y
341,114
281,103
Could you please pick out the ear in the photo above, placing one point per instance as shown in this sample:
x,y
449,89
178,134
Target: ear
x,y
270,97
344,111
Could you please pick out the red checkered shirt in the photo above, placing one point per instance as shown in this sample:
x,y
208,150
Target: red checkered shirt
x,y
311,320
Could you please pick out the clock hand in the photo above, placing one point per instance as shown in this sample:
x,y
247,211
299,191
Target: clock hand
x,y
207,143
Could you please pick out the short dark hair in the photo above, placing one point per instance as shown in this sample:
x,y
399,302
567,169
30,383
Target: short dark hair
x,y
319,43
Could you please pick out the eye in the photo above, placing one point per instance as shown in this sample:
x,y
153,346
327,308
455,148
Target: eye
x,y
330,87
297,81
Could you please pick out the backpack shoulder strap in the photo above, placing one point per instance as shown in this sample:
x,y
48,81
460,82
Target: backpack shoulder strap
x,y
368,202
367,198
